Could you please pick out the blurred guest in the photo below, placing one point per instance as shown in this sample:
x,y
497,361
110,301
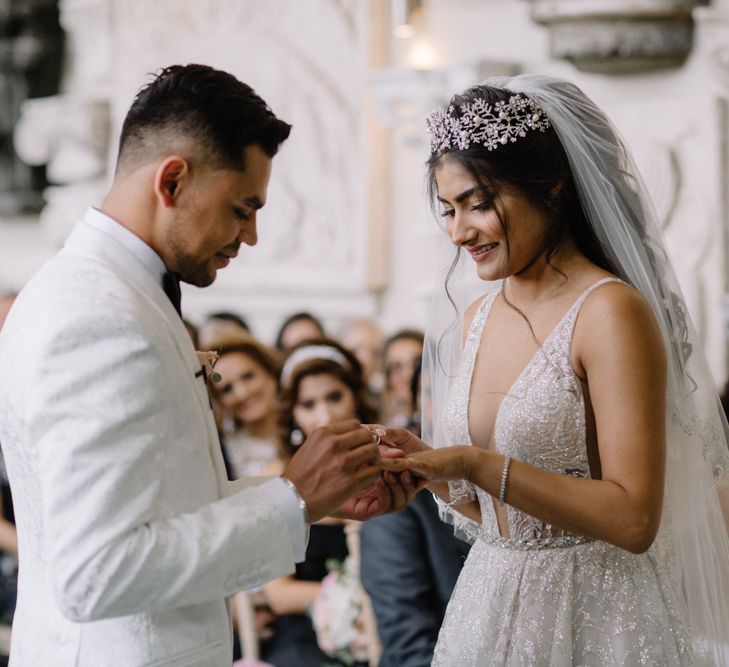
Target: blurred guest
x,y
321,382
8,551
220,325
410,562
365,339
297,328
192,331
401,354
6,301
246,394
8,534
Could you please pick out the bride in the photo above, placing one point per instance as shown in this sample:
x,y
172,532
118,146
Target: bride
x,y
578,441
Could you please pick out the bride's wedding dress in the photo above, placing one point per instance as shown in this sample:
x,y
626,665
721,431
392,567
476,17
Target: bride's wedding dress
x,y
542,596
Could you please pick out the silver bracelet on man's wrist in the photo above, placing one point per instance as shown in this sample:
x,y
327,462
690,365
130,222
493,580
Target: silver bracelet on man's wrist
x,y
299,499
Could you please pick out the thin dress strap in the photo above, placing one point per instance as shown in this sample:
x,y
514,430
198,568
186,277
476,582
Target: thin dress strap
x,y
571,316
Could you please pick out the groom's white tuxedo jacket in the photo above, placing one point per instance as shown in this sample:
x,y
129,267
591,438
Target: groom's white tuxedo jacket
x,y
130,536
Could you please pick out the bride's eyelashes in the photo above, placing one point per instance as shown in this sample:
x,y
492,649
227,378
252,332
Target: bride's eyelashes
x,y
485,204
481,206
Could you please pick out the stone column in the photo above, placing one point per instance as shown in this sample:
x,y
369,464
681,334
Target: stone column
x,y
712,38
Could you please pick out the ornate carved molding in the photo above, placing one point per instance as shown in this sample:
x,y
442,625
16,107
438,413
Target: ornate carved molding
x,y
712,32
406,96
618,36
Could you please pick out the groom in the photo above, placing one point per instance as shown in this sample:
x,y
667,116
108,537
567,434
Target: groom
x,y
130,537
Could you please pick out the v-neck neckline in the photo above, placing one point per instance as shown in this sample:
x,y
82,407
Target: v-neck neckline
x,y
485,317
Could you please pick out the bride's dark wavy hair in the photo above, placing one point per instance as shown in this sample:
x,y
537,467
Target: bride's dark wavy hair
x,y
537,167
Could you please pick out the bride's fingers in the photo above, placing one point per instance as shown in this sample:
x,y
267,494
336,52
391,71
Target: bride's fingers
x,y
390,452
399,464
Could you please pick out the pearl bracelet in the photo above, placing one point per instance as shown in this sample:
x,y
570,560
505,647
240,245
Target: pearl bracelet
x,y
504,476
300,500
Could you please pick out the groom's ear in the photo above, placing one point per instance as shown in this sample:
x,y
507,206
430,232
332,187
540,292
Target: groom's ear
x,y
170,177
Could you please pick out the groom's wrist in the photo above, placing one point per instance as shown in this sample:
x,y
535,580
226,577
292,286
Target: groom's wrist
x,y
299,499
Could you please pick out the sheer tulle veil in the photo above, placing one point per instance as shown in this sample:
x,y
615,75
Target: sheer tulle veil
x,y
693,541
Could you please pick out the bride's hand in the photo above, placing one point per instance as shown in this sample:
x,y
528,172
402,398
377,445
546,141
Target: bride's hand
x,y
400,438
440,465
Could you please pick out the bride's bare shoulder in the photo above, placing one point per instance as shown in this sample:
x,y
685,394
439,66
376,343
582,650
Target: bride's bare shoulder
x,y
615,300
613,317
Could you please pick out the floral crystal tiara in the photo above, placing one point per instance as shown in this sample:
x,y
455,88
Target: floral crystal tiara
x,y
490,125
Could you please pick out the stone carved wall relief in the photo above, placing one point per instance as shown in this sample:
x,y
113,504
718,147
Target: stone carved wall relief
x,y
315,219
682,178
618,36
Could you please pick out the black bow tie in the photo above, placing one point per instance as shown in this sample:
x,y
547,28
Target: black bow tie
x,y
171,286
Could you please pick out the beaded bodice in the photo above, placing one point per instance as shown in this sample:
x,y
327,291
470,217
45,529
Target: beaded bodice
x,y
541,420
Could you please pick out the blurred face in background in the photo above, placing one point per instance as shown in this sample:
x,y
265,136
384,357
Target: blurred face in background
x,y
365,339
298,331
215,330
6,301
400,360
322,399
247,391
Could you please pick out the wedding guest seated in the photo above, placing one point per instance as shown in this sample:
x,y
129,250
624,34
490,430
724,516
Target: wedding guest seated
x,y
297,328
8,534
321,382
8,550
401,354
410,564
6,301
193,332
365,339
245,396
221,325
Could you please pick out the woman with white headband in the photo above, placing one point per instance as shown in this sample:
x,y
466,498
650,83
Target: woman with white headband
x,y
579,443
321,382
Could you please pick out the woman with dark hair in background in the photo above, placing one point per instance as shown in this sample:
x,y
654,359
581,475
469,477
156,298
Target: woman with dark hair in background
x,y
297,328
222,325
246,395
321,382
401,353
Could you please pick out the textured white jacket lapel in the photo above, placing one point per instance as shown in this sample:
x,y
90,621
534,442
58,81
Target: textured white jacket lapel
x,y
90,242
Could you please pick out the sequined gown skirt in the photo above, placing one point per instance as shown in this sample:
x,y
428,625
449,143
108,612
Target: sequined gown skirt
x,y
592,604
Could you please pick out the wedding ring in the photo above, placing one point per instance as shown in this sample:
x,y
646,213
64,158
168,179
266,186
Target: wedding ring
x,y
379,433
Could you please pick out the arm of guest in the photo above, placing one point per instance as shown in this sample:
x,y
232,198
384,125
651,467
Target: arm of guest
x,y
287,595
106,424
8,534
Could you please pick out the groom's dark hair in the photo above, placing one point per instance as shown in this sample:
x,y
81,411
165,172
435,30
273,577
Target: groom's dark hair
x,y
202,109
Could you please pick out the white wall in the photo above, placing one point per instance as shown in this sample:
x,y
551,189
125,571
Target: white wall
x,y
346,231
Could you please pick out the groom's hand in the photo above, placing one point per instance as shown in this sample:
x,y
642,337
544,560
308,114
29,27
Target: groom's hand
x,y
391,493
335,463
